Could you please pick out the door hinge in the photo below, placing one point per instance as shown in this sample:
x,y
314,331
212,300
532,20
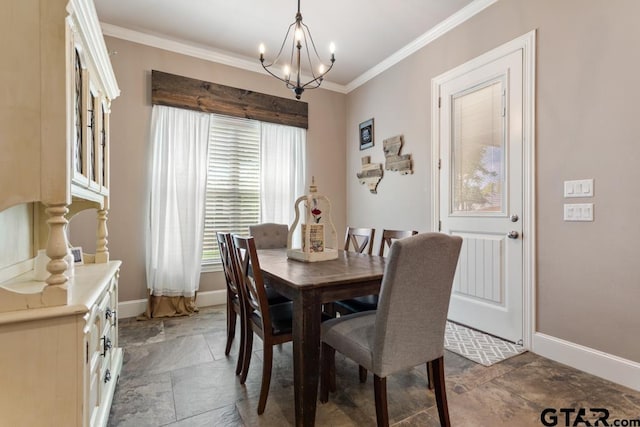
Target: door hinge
x,y
439,163
439,102
439,225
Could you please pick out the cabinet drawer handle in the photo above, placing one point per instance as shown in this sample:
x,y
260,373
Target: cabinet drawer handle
x,y
108,313
111,314
106,345
107,376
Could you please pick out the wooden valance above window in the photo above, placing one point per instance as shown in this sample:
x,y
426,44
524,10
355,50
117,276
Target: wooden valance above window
x,y
182,92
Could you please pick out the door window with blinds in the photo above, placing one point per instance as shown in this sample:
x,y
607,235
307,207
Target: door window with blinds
x,y
255,172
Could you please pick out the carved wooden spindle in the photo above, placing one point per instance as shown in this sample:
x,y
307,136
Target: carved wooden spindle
x,y
57,244
102,252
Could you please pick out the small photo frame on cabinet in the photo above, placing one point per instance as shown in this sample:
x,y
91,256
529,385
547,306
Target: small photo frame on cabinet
x,y
77,255
366,134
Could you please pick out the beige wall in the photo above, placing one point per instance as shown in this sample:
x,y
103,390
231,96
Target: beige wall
x,y
130,117
588,283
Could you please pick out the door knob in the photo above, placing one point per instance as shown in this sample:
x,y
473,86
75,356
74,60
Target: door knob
x,y
513,234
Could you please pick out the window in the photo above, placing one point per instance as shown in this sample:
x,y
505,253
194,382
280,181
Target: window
x,y
241,192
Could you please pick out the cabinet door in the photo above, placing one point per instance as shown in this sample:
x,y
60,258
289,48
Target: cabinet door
x,y
78,118
93,366
103,148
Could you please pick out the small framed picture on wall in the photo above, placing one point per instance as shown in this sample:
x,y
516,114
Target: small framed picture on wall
x,y
366,134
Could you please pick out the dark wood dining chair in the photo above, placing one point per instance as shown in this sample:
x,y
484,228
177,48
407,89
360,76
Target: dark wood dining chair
x,y
272,323
408,327
370,302
234,299
359,239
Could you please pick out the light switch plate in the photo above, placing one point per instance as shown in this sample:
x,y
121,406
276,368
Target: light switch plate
x,y
578,188
578,212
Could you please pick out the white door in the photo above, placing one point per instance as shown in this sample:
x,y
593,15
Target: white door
x,y
481,193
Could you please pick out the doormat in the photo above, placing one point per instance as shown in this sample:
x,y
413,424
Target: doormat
x,y
477,346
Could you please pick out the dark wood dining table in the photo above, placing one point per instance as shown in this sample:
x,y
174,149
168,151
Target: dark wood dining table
x,y
309,285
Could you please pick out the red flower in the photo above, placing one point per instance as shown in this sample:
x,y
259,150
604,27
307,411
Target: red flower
x,y
316,211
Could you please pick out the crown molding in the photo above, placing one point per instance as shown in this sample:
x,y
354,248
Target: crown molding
x,y
251,65
197,52
439,30
178,47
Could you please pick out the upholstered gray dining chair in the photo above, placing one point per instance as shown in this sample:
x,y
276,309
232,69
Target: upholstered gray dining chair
x,y
408,327
370,302
269,235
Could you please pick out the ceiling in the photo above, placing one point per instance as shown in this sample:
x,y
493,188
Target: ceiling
x,y
365,32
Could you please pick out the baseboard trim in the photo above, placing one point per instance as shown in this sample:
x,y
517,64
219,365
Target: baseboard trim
x,y
134,308
595,362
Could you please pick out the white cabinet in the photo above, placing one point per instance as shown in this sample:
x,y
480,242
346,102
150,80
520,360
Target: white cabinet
x,y
59,354
57,84
59,365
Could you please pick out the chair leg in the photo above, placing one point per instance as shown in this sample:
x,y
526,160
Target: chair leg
x,y
380,392
440,391
326,358
246,356
332,370
231,327
243,342
266,377
362,372
430,375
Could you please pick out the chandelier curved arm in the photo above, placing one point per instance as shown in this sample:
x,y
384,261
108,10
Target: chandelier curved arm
x,y
301,35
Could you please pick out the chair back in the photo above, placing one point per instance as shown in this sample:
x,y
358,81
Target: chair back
x,y
269,235
253,291
360,239
414,301
227,255
389,236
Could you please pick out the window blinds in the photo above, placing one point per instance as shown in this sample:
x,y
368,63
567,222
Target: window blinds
x,y
233,181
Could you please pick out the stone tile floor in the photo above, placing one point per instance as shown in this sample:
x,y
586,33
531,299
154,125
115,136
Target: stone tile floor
x,y
175,373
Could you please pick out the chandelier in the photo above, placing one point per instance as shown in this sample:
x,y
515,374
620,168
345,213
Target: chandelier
x,y
298,36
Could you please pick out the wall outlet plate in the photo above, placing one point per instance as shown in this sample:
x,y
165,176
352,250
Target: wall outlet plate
x,y
578,188
578,212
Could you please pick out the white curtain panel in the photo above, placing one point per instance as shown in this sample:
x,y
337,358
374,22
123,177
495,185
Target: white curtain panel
x,y
176,200
283,153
